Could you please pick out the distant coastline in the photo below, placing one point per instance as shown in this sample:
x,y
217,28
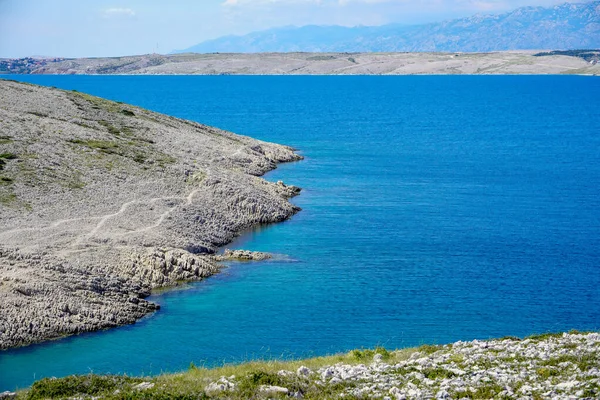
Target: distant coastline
x,y
574,62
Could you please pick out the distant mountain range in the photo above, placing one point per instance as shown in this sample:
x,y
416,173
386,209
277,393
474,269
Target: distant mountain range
x,y
566,26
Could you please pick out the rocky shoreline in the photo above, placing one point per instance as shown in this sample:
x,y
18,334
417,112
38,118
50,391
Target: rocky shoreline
x,y
565,366
101,202
562,366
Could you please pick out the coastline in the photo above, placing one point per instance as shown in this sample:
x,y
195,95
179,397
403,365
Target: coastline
x,y
455,63
133,201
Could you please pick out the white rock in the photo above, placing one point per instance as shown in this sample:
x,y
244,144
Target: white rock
x,y
273,389
303,371
144,386
327,373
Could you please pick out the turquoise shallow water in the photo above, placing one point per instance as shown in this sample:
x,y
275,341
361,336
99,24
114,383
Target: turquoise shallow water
x,y
434,209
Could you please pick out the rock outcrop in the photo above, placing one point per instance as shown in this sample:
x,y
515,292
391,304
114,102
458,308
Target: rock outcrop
x,y
242,255
101,202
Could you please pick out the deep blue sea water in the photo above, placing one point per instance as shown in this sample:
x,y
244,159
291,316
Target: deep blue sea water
x,y
435,209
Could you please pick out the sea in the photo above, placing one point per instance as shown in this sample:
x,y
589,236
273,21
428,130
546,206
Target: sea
x,y
434,209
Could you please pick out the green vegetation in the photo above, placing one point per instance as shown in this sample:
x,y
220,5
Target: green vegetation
x,y
7,199
128,113
583,362
90,385
367,355
38,114
137,150
5,139
488,391
588,55
429,349
284,379
96,102
545,336
83,124
113,68
75,181
321,58
104,146
193,383
4,157
111,129
8,156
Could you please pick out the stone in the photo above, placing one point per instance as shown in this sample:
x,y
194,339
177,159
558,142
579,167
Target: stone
x,y
242,255
144,386
273,389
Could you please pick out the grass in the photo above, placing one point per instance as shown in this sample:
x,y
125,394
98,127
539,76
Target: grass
x,y
192,383
111,129
5,139
139,151
429,349
90,385
250,378
367,355
128,113
75,181
6,156
584,362
7,199
104,146
97,102
38,114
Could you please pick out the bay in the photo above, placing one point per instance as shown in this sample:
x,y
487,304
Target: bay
x,y
435,209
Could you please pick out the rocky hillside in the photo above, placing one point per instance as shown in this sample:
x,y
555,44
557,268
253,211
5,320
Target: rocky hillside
x,y
100,202
566,26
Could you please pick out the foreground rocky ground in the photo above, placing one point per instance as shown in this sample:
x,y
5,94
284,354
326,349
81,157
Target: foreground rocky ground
x,y
506,62
552,366
101,202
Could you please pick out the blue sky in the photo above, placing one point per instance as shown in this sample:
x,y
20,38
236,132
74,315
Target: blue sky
x,y
98,28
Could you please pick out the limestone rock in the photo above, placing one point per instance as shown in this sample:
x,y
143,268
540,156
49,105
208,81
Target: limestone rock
x,y
242,255
273,389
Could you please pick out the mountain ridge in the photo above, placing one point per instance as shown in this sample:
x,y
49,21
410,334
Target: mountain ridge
x,y
565,26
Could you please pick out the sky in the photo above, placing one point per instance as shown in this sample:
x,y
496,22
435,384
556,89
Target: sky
x,y
103,28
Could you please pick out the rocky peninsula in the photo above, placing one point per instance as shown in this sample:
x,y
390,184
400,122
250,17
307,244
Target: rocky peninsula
x,y
101,202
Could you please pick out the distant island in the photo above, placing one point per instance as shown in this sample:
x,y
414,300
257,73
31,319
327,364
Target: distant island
x,y
574,62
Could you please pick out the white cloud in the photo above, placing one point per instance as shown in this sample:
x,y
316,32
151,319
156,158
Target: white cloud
x,y
267,2
119,12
